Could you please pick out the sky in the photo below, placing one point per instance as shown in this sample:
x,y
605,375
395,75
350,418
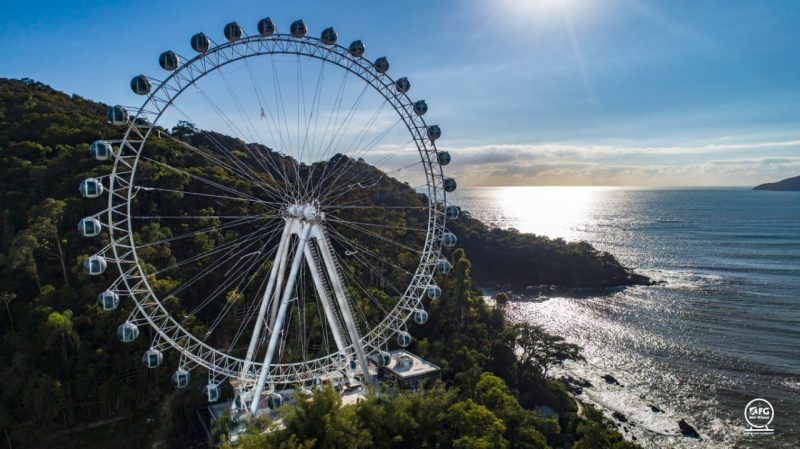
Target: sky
x,y
527,92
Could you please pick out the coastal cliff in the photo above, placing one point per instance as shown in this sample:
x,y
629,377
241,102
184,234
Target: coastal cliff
x,y
786,185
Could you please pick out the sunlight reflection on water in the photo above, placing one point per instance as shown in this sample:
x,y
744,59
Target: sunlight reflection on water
x,y
556,212
721,330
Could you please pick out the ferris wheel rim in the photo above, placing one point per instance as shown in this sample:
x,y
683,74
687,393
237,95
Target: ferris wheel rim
x,y
197,350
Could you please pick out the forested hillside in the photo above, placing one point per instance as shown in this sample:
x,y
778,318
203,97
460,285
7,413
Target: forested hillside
x,y
68,381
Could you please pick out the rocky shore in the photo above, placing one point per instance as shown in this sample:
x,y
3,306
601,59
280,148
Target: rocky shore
x,y
628,426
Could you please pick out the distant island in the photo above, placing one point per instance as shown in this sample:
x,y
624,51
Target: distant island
x,y
787,185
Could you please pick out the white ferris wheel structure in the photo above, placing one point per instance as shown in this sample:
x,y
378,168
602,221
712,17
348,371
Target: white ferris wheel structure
x,y
294,264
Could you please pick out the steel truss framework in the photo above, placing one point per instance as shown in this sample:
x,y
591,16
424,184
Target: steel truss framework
x,y
133,282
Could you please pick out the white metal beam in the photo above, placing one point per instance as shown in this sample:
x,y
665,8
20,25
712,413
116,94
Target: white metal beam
x,y
341,298
276,329
280,255
327,307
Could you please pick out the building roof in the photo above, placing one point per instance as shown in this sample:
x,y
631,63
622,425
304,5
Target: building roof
x,y
407,365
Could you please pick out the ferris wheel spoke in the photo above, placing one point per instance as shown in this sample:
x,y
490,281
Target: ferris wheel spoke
x,y
281,108
229,280
243,239
327,174
355,282
239,168
359,137
337,175
200,217
337,129
379,236
254,176
207,195
355,182
255,136
300,96
335,209
301,104
235,192
356,249
333,118
273,126
217,263
244,167
384,171
334,192
361,201
347,165
254,303
220,262
379,164
227,225
375,225
279,105
266,111
208,155
241,286
313,117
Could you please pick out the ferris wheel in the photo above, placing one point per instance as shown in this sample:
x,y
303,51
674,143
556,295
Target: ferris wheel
x,y
264,238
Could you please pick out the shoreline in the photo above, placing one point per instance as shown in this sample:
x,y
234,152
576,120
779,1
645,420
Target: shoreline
x,y
578,387
612,414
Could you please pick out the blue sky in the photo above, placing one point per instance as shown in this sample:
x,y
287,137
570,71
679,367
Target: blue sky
x,y
528,92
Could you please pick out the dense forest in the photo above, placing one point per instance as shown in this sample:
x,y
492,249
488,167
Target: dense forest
x,y
509,258
487,398
68,382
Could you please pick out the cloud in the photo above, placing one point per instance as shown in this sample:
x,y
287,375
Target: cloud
x,y
602,165
573,164
486,153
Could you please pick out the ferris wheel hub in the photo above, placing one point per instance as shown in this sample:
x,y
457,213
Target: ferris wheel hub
x,y
305,212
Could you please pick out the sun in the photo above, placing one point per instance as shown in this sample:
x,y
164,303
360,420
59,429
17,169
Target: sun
x,y
542,12
539,7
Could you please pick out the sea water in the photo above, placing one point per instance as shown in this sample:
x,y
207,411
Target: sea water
x,y
721,329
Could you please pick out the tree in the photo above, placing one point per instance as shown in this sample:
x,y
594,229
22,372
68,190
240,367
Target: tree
x,y
43,221
475,427
60,331
320,417
7,297
521,431
540,350
501,299
595,433
21,255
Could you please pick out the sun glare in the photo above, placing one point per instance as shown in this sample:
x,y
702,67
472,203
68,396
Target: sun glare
x,y
541,8
555,212
542,12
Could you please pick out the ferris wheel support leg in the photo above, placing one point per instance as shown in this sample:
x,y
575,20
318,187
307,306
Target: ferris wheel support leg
x,y
325,299
273,313
280,255
344,307
275,335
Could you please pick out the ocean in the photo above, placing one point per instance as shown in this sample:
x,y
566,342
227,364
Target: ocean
x,y
721,329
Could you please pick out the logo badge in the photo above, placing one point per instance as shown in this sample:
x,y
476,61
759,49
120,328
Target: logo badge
x,y
759,413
